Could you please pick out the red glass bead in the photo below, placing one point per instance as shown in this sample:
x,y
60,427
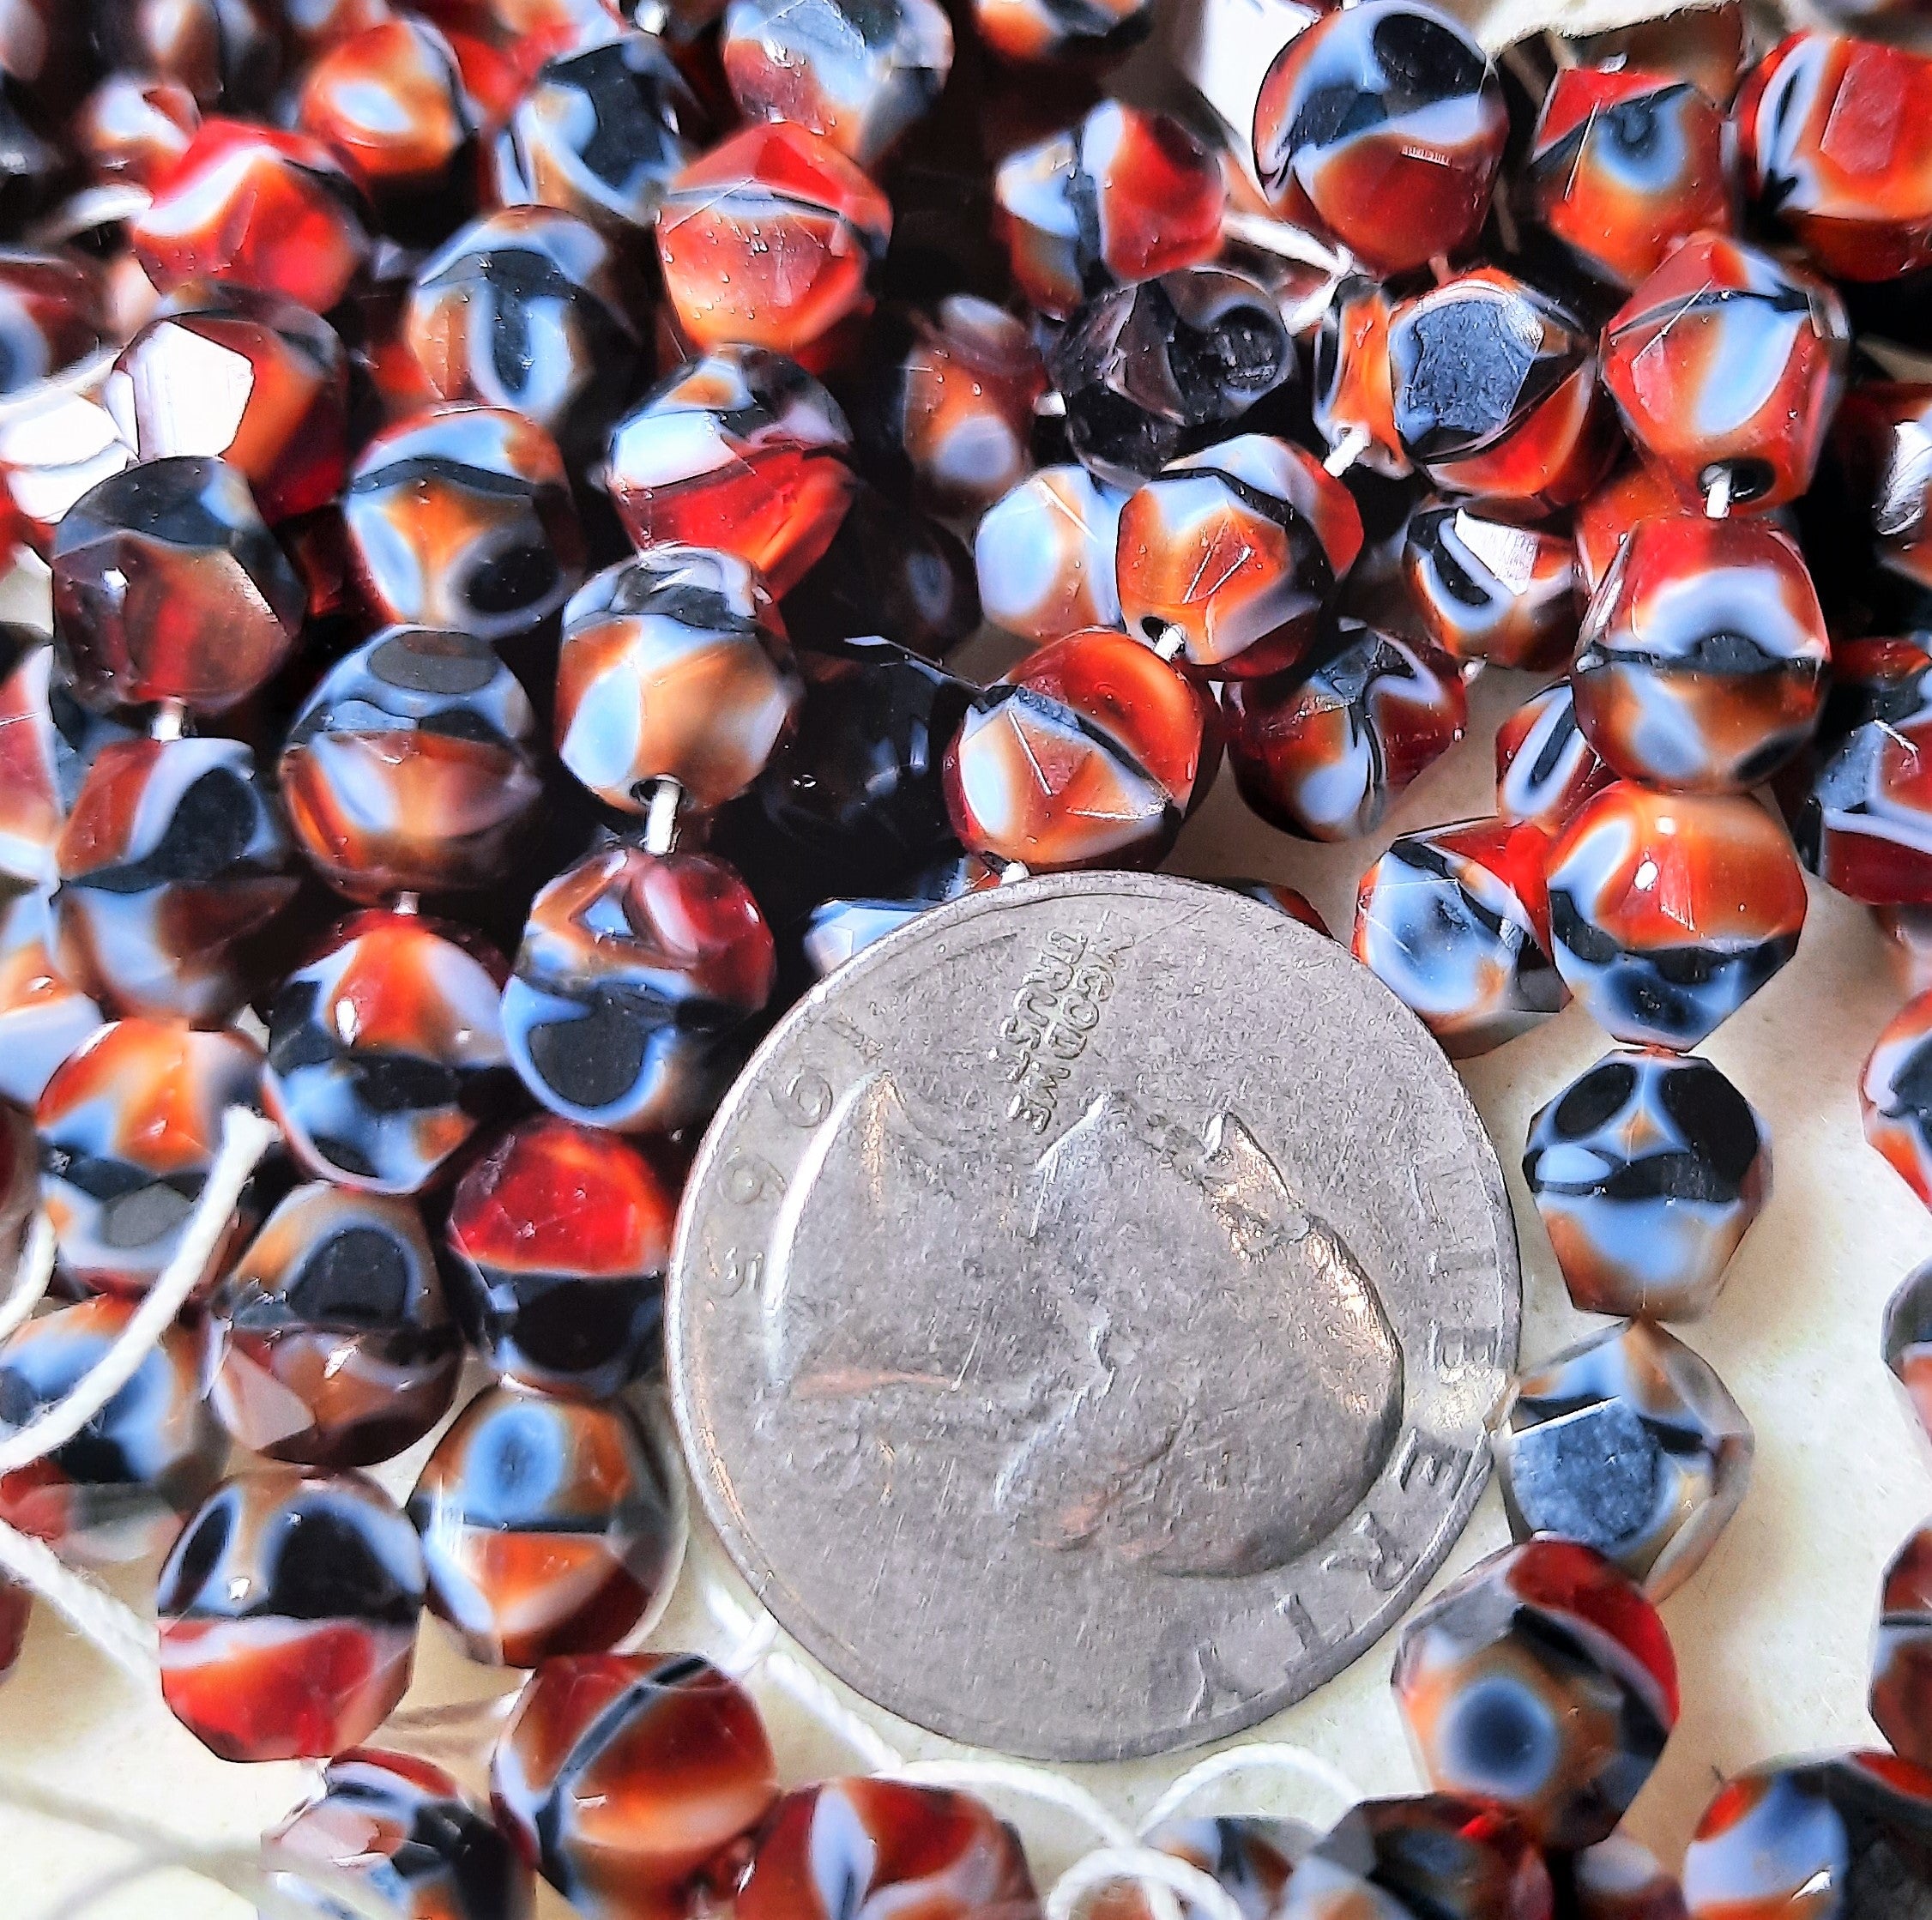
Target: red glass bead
x,y
1250,1856
220,50
768,240
1090,32
1908,1342
839,927
1702,45
1322,751
119,1491
287,1613
1045,555
1352,399
129,1124
252,206
742,451
1486,586
17,1609
1615,1880
1878,436
57,441
1382,124
1669,911
528,32
44,1017
562,1233
1635,493
628,1779
1901,1689
1545,769
1624,164
330,1343
1897,1110
134,127
48,740
53,311
1726,363
1085,754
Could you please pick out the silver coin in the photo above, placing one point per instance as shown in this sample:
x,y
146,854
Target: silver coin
x,y
1084,1314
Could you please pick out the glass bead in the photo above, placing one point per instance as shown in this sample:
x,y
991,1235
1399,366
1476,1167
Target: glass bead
x,y
57,441
119,1489
1454,921
129,1124
385,1051
1382,124
287,1611
17,1609
134,128
1085,754
1878,436
562,1234
548,1527
1634,493
891,573
1908,945
460,518
43,1016
1901,1689
629,1779
1702,45
1648,1169
1235,553
330,1343
52,313
1908,1341
220,50
1249,1856
1543,1680
638,978
1322,751
742,451
411,765
169,586
768,240
1282,899
1486,586
1045,555
1726,363
1125,195
1617,1879
1669,911
529,33
1092,31
838,929
251,206
1351,398
1626,162
1430,1857
48,741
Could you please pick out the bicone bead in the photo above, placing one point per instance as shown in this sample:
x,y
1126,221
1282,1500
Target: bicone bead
x,y
629,1779
288,1610
169,586
1634,493
1617,1879
1901,1690
1085,754
53,313
561,1234
1487,586
1546,771
673,667
1542,1680
1908,1341
1629,1443
330,1343
119,1489
385,1051
1455,923
1250,1856
1323,750
1669,911
637,977
1382,124
863,1849
43,1016
1045,555
129,1124
1350,396
1728,364
57,440
838,929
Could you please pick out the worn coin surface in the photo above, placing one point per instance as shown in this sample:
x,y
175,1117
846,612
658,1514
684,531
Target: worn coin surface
x,y
1084,1314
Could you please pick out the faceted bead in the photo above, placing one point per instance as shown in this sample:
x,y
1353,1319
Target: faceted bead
x,y
220,50
173,856
562,1233
134,128
1727,364
1124,195
628,1779
527,309
1542,1680
548,1527
891,573
250,206
636,978
404,1834
1235,553
768,240
1352,399
1615,1880
48,741
1879,435
385,1051
1495,390
1625,163
169,586
1085,754
119,1491
1322,751
1454,921
17,1609
129,1124
742,451
528,32
287,1612
52,313
410,766
1908,945
1382,124
461,517
1628,1442
1901,1691
1702,44
1088,31
1433,1857
1249,1856
331,1344
1908,1341
44,1017
1045,555
839,928
57,440
1648,1169
1837,149
858,71
864,1849
1635,493
1670,911
1486,586
1848,1837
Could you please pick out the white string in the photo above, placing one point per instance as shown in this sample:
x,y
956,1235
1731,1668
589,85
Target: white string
x,y
1037,1783
93,1612
803,1685
1273,1756
32,1277
1202,1892
1347,451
